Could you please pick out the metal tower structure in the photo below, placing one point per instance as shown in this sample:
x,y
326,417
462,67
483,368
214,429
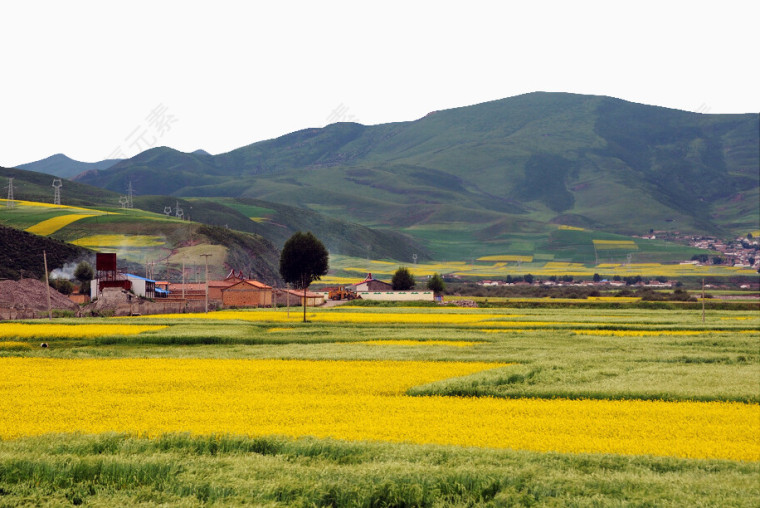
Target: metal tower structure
x,y
123,200
130,193
178,212
10,203
57,184
167,210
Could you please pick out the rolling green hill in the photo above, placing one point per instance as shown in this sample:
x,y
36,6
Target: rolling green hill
x,y
252,231
478,175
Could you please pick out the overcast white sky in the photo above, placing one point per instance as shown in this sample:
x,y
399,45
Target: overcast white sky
x,y
95,79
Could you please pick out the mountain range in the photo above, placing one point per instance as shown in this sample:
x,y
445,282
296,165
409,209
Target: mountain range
x,y
65,167
496,177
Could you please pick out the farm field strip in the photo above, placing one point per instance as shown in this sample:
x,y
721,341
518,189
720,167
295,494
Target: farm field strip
x,y
50,226
459,318
120,241
346,269
351,400
80,331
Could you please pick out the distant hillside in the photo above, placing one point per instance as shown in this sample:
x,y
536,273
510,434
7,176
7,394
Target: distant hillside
x,y
64,167
277,223
21,254
273,222
34,186
483,173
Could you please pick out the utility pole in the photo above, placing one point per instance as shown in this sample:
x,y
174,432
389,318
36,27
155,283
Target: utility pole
x,y
47,284
206,256
183,281
703,300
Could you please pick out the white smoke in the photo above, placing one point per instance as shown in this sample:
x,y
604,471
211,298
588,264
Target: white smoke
x,y
67,272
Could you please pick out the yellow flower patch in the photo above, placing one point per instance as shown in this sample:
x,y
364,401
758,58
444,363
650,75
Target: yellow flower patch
x,y
281,316
615,245
351,401
116,241
85,331
50,226
507,258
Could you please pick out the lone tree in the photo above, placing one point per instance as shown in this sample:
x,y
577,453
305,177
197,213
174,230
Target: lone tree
x,y
84,274
403,279
436,284
302,261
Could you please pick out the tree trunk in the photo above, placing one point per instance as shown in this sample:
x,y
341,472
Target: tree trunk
x,y
303,283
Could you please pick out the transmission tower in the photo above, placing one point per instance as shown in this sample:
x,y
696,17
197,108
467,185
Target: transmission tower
x,y
57,184
167,210
130,193
123,200
10,203
178,212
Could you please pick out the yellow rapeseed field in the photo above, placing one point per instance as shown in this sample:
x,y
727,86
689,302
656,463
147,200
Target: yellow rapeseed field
x,y
115,241
50,226
337,317
39,204
44,330
615,244
351,401
648,333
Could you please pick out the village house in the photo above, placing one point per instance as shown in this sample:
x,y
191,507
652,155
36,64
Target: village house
x,y
197,290
370,284
247,293
372,289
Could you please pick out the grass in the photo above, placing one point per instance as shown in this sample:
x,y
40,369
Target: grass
x,y
227,470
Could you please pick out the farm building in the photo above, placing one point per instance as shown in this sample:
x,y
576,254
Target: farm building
x,y
371,284
197,290
295,297
372,289
138,285
247,293
397,296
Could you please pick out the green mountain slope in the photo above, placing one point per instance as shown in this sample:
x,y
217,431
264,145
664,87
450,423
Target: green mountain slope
x,y
270,221
35,186
509,165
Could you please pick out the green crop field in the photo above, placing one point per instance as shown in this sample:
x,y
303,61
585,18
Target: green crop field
x,y
383,407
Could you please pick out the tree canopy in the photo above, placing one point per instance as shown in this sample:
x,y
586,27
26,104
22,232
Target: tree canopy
x,y
436,284
84,274
403,279
303,260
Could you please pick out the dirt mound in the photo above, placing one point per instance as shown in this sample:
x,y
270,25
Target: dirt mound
x,y
31,295
111,299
